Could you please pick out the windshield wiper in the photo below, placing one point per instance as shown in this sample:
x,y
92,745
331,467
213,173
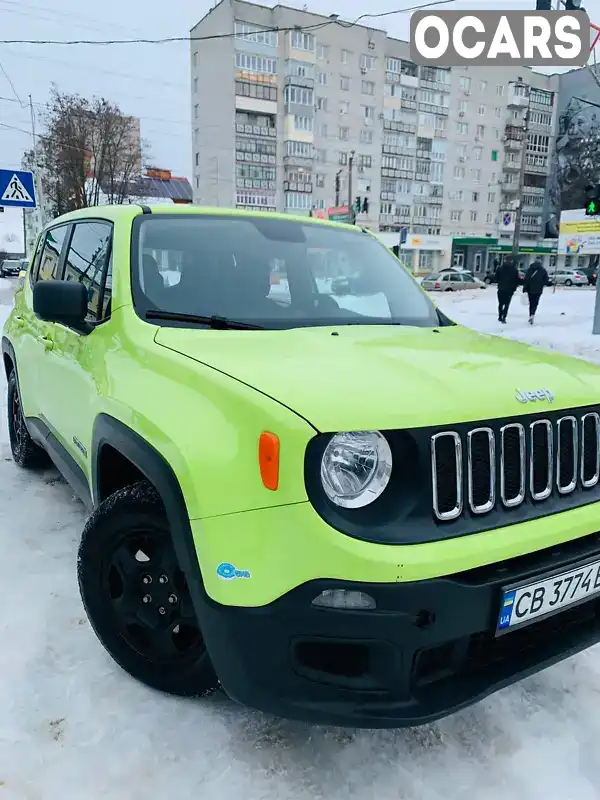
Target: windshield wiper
x,y
214,321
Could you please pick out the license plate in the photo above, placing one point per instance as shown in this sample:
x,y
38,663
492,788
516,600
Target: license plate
x,y
525,604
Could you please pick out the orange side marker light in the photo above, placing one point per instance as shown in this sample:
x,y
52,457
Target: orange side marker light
x,y
268,459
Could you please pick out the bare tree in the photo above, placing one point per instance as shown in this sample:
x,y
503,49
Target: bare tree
x,y
89,149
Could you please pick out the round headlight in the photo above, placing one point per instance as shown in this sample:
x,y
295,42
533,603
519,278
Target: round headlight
x,y
355,468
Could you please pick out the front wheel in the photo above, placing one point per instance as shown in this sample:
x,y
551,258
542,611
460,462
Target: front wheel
x,y
568,282
136,595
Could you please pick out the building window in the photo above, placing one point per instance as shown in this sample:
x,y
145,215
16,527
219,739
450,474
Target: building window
x,y
322,51
473,216
196,111
475,196
303,41
368,113
256,34
489,218
366,137
456,194
491,197
482,86
494,155
478,153
367,62
465,83
304,124
321,104
463,105
195,60
303,97
298,149
368,87
195,85
300,68
344,107
320,181
343,133
393,65
345,56
322,78
476,175
365,161
322,130
459,172
259,90
197,181
481,111
500,89
480,132
343,158
425,260
197,159
455,216
321,156
251,63
462,128
345,83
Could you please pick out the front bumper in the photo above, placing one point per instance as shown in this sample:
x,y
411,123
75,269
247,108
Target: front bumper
x,y
428,650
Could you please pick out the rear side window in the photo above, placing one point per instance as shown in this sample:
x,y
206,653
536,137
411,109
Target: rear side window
x,y
50,259
87,261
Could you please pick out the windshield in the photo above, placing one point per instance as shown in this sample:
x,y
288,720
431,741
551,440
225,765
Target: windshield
x,y
271,272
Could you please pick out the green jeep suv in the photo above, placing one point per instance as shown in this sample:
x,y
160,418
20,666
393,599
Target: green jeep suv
x,y
338,505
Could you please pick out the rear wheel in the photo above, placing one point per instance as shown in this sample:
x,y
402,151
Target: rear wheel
x,y
25,452
449,289
136,595
568,282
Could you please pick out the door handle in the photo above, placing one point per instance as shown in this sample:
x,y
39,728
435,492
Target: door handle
x,y
48,343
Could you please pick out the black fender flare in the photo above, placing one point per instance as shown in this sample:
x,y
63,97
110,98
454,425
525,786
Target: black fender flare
x,y
110,431
7,349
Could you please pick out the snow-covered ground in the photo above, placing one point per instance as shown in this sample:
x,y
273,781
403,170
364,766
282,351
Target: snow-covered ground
x,y
73,726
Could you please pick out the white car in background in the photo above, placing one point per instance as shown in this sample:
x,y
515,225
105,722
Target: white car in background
x,y
570,277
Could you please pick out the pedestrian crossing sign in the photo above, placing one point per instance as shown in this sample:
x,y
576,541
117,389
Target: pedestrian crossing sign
x,y
17,189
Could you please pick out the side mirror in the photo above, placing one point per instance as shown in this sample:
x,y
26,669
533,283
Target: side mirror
x,y
62,301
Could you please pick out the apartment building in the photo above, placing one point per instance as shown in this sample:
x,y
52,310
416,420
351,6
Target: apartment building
x,y
277,116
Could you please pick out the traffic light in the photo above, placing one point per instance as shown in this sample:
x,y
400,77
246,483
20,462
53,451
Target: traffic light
x,y
357,205
365,205
592,205
543,5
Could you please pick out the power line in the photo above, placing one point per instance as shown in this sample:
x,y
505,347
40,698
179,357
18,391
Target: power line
x,y
12,86
218,36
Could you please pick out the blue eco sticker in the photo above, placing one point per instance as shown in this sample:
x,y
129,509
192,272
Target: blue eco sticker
x,y
229,573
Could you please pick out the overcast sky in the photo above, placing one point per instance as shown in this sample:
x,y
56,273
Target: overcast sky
x,y
149,81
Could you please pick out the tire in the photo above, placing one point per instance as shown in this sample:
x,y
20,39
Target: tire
x,y
164,652
568,282
449,289
25,452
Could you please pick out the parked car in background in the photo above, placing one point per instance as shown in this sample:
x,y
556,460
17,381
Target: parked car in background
x,y
12,266
451,281
570,277
490,277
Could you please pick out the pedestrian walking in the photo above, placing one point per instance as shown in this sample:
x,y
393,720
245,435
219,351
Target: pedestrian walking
x,y
536,278
507,278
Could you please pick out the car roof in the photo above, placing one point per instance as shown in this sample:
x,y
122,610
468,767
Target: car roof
x,y
129,211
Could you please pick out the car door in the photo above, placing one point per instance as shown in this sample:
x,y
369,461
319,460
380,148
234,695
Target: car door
x,y
74,365
29,335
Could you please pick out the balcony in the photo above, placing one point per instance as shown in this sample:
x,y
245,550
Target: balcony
x,y
256,130
401,127
538,169
394,150
539,190
297,80
297,161
409,80
513,144
434,86
512,165
298,186
528,227
515,100
441,111
410,105
509,186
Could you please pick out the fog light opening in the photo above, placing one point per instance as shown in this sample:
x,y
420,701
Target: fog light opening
x,y
346,599
338,659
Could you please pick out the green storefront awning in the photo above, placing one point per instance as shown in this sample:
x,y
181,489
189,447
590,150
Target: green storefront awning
x,y
465,241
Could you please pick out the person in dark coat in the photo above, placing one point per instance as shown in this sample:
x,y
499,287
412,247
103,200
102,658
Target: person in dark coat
x,y
536,278
507,278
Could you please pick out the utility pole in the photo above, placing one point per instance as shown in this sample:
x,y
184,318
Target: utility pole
x,y
37,181
517,233
337,186
351,213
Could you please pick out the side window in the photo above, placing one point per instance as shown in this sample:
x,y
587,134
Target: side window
x,y
86,261
50,258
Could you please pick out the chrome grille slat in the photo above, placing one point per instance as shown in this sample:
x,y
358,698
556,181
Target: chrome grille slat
x,y
544,493
571,485
516,500
456,511
503,467
589,482
481,508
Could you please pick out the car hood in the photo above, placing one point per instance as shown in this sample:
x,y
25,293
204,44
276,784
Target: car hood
x,y
383,377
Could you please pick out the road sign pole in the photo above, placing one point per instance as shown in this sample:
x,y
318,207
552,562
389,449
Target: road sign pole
x,y
596,327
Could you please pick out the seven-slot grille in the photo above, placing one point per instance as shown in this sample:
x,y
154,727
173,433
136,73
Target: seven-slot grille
x,y
537,458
